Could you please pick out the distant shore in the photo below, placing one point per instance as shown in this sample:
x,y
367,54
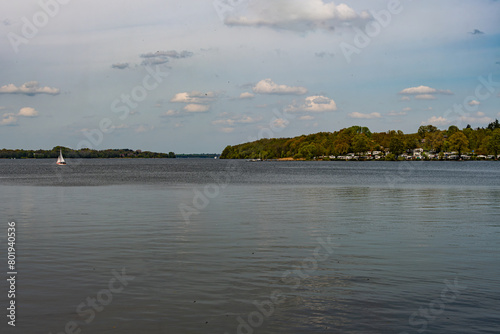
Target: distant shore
x,y
84,153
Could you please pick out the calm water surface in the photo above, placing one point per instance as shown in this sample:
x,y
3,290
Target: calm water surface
x,y
218,246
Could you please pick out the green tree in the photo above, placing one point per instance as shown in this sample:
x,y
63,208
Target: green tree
x,y
356,129
458,142
397,145
307,151
423,130
494,142
360,143
494,125
342,143
452,129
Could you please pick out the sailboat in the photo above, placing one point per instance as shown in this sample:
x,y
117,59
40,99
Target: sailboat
x,y
60,159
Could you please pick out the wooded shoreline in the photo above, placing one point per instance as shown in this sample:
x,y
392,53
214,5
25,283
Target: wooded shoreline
x,y
359,143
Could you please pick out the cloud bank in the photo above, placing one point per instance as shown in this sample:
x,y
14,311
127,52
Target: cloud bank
x,y
162,57
11,118
313,104
120,66
30,88
297,15
364,116
267,86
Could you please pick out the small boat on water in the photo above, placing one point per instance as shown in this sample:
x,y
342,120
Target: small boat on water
x,y
60,159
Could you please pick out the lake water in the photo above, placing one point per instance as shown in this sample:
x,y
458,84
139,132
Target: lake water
x,y
217,246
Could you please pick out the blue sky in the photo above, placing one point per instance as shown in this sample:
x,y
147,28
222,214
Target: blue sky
x,y
194,76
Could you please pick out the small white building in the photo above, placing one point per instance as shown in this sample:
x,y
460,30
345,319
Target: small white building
x,y
418,152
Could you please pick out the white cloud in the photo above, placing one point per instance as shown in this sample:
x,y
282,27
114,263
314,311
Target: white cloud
x,y
267,86
476,118
418,90
407,109
364,116
170,54
248,119
196,101
306,118
405,98
474,103
297,15
11,118
193,107
170,113
181,97
279,123
27,112
247,95
8,119
29,88
396,113
162,57
120,66
434,120
193,97
315,103
425,97
424,91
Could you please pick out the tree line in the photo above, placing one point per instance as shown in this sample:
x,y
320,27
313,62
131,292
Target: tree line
x,y
358,140
84,153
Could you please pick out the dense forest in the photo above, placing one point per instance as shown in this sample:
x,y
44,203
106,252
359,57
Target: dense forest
x,y
359,140
84,153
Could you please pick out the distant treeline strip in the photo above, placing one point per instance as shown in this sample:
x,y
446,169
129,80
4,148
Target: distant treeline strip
x,y
81,154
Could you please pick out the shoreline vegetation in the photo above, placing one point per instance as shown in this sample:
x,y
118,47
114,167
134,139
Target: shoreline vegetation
x,y
84,153
359,143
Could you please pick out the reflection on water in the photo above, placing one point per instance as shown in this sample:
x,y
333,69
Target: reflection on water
x,y
252,258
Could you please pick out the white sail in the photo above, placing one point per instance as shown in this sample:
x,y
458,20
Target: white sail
x,y
60,159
